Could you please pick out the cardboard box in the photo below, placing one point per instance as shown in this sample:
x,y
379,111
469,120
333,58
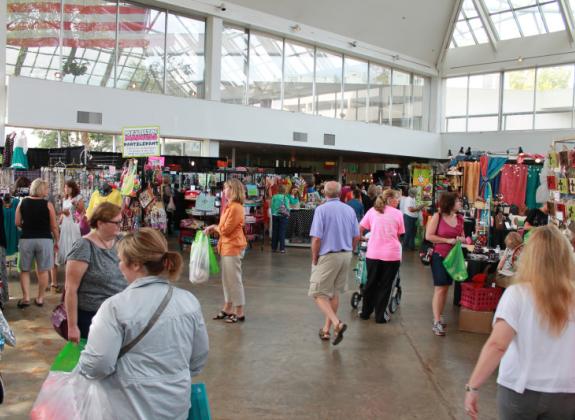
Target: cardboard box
x,y
475,321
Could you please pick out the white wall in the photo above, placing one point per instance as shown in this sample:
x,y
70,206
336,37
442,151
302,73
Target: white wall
x,y
53,105
532,141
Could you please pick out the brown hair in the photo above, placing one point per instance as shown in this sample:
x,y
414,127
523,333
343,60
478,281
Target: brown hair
x,y
237,188
548,267
447,202
149,248
372,191
74,187
105,212
382,199
513,240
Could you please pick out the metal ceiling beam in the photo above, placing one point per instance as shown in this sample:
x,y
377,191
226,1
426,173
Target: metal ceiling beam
x,y
487,23
568,19
449,33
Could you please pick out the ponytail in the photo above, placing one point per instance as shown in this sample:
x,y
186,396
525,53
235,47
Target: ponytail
x,y
173,263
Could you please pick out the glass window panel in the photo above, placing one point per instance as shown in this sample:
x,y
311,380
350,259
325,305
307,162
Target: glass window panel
x,y
192,148
553,17
530,21
328,83
479,31
379,94
265,71
469,9
173,147
462,34
518,91
518,122
505,25
401,100
355,89
234,65
554,88
522,3
484,94
33,38
88,53
456,96
141,39
420,101
572,7
482,123
452,44
496,5
456,125
185,62
553,120
298,77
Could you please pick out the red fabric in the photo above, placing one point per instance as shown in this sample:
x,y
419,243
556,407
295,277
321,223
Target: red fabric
x,y
513,184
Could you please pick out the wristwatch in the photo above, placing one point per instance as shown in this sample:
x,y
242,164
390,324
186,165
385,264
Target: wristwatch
x,y
470,389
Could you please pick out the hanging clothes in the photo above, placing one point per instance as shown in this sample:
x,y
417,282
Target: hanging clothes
x,y
495,184
97,198
514,184
533,183
10,229
8,150
471,177
19,158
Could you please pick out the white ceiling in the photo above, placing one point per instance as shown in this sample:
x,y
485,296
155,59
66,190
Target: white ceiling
x,y
412,27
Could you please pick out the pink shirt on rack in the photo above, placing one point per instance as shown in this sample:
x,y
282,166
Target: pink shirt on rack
x,y
385,229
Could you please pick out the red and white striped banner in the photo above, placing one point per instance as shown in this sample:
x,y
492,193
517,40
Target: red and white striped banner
x,y
86,24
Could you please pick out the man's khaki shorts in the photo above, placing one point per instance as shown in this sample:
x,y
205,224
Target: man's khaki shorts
x,y
330,274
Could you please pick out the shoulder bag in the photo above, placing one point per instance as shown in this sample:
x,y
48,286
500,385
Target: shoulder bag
x,y
427,247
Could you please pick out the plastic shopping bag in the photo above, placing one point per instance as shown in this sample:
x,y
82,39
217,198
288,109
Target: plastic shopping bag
x,y
68,357
71,396
200,409
200,259
454,263
214,266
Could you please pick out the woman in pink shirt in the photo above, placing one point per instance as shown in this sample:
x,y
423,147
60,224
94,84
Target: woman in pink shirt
x,y
385,223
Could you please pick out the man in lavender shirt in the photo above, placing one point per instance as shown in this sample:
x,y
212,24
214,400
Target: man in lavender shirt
x,y
335,233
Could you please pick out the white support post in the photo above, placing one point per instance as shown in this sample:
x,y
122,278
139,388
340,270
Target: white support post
x,y
487,23
565,8
3,87
214,29
449,32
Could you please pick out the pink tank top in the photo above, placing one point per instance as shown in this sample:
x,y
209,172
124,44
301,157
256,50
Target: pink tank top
x,y
446,231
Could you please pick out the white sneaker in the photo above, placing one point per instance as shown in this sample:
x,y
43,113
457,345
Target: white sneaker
x,y
438,329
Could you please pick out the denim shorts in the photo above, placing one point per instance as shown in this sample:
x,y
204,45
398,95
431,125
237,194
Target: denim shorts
x,y
440,275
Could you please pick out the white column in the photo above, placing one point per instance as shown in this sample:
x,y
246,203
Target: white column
x,y
3,86
210,148
233,157
214,30
435,105
340,169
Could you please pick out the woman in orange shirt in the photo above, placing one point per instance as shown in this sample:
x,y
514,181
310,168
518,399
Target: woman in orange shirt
x,y
230,246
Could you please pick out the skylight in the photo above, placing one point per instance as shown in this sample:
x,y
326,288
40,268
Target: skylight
x,y
469,29
521,18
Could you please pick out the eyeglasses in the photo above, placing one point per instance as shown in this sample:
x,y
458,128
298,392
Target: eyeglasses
x,y
117,223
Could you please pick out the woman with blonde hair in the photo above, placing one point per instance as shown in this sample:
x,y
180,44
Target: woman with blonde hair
x,y
533,336
230,246
38,240
385,223
147,342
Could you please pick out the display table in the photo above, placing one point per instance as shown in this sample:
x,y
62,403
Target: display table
x,y
299,225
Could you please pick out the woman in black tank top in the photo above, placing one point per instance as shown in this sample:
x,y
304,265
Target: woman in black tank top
x,y
38,241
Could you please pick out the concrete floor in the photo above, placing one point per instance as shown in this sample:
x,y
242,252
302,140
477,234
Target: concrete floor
x,y
275,367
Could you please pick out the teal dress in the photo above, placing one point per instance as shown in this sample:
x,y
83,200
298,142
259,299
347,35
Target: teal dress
x,y
533,182
12,232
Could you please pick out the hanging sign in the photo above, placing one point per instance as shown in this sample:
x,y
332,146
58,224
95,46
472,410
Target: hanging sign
x,y
141,141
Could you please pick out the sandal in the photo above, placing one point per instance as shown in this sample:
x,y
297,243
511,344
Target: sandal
x,y
22,304
221,315
40,304
338,332
324,336
57,288
233,318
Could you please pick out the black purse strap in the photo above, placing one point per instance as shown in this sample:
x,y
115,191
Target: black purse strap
x,y
125,349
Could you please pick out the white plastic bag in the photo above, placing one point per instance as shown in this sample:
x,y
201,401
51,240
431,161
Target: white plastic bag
x,y
71,396
200,259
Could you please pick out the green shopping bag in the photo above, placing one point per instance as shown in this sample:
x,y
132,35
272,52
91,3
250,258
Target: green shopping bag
x,y
454,263
68,357
200,409
419,235
200,236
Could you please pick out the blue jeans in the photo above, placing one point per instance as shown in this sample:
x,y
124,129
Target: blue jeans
x,y
279,228
410,231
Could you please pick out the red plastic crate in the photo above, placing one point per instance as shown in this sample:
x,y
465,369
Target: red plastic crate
x,y
480,298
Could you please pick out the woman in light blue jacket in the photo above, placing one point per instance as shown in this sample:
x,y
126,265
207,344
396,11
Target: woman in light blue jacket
x,y
147,374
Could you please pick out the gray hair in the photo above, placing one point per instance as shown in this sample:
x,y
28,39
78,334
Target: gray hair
x,y
38,188
412,192
332,189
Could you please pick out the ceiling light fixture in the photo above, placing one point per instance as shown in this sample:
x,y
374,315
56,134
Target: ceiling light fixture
x,y
353,44
222,7
295,28
520,59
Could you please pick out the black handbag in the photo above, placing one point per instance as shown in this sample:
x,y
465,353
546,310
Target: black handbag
x,y
425,252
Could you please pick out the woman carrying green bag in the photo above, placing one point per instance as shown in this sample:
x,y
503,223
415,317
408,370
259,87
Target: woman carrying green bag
x,y
444,230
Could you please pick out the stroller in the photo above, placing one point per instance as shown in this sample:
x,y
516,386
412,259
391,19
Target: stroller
x,y
360,276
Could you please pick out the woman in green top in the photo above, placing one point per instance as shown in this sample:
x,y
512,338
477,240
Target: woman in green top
x,y
280,213
293,198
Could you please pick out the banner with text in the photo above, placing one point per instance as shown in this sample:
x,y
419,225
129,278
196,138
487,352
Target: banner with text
x,y
141,141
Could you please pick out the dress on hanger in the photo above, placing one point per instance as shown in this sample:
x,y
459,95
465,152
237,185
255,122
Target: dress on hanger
x,y
471,177
8,150
10,229
69,229
514,184
19,158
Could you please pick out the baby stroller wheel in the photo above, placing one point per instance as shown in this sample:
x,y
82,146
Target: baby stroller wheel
x,y
395,300
355,299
